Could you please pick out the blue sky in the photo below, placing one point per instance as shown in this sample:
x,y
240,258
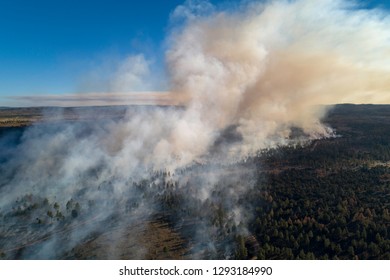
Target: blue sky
x,y
46,45
50,47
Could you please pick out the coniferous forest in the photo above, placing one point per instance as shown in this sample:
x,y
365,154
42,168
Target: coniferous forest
x,y
321,199
329,199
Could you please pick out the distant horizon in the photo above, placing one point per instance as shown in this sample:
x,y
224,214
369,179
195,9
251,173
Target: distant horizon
x,y
94,99
95,46
159,105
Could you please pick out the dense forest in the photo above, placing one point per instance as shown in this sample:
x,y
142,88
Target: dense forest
x,y
329,199
320,199
324,199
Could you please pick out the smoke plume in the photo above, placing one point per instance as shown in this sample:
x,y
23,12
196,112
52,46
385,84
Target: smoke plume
x,y
245,79
266,66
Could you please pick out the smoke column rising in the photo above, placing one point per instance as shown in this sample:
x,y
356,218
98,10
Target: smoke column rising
x,y
260,71
266,66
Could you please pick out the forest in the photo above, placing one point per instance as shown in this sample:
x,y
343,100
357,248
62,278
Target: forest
x,y
322,199
316,199
329,199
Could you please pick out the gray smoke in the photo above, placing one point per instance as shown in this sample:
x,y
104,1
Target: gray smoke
x,y
244,78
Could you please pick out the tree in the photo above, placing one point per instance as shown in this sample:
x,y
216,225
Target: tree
x,y
302,254
50,214
242,251
261,254
74,213
326,243
373,249
351,251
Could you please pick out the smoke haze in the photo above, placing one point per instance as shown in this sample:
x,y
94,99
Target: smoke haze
x,y
255,73
266,66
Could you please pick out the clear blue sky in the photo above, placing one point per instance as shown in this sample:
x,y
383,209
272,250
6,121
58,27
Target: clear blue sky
x,y
46,46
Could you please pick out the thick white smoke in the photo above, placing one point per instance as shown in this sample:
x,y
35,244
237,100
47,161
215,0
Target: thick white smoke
x,y
251,75
266,66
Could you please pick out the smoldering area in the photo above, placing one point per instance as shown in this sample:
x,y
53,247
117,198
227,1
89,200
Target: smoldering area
x,y
248,80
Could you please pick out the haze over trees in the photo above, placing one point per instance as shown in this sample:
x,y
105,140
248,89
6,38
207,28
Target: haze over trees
x,y
323,199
